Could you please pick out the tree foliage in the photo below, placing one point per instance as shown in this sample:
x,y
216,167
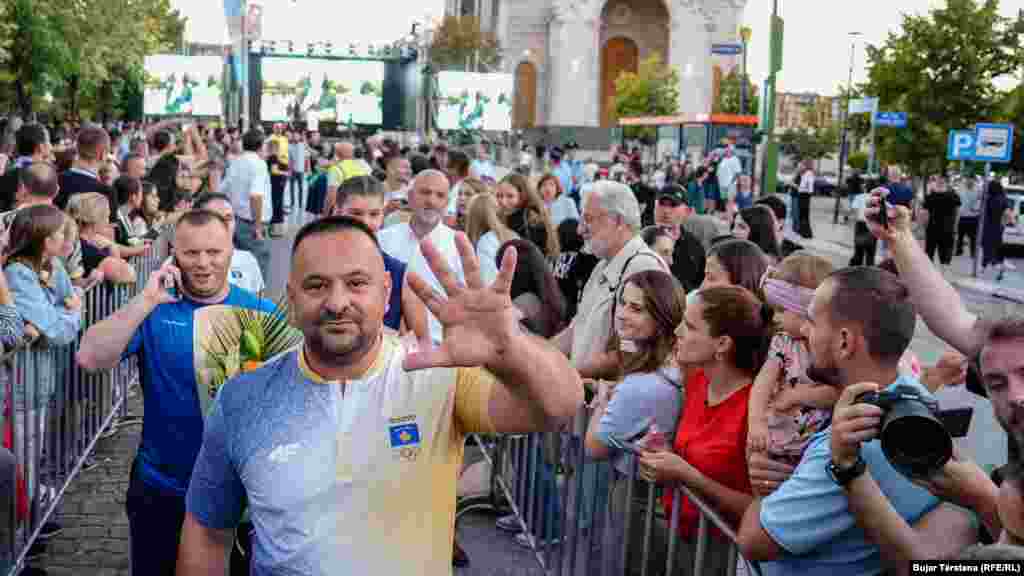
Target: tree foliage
x,y
809,144
81,50
653,90
939,68
460,44
729,95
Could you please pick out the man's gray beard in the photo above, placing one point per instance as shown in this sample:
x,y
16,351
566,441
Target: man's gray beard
x,y
422,221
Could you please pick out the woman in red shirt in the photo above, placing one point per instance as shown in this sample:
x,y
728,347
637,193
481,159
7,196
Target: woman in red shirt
x,y
721,344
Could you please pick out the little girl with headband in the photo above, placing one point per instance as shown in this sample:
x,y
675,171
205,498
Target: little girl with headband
x,y
787,407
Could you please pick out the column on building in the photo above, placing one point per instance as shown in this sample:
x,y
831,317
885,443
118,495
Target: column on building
x,y
690,41
571,50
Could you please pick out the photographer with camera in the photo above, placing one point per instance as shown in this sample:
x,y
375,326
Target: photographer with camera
x,y
997,345
821,517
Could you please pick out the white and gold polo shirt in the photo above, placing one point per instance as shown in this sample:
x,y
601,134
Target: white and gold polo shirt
x,y
341,478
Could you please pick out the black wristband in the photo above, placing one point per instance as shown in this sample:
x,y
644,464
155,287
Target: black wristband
x,y
844,475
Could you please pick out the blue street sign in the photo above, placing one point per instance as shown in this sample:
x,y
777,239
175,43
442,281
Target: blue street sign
x,y
986,143
993,142
893,119
961,145
727,49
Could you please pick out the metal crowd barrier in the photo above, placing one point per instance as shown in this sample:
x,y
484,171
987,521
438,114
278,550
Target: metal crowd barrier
x,y
568,503
34,476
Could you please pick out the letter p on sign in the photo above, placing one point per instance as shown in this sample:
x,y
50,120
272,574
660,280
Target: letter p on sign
x,y
961,145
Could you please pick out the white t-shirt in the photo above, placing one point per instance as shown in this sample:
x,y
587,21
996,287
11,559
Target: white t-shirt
x,y
399,242
245,272
728,170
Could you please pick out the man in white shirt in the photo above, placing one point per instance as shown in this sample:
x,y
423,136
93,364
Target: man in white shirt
x,y
729,170
247,184
428,199
244,270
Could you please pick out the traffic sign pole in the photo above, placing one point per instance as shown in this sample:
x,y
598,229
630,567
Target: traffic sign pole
x,y
982,217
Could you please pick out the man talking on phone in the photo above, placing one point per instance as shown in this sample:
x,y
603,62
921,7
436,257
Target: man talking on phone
x,y
157,327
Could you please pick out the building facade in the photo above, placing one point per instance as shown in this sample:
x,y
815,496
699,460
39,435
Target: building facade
x,y
805,111
566,54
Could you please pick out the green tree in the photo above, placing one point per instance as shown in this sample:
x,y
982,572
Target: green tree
x,y
1012,111
858,161
32,50
652,91
809,144
939,68
460,44
729,96
81,50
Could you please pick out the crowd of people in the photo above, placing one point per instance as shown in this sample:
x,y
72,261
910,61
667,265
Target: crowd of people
x,y
441,293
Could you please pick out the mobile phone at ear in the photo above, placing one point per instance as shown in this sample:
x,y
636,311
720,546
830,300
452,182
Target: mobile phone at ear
x,y
956,421
170,284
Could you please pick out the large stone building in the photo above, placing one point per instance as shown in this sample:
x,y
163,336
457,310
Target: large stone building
x,y
566,54
805,110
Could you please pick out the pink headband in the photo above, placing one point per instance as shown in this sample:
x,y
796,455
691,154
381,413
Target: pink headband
x,y
796,299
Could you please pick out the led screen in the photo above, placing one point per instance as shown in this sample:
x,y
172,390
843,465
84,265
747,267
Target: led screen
x,y
470,101
340,91
182,85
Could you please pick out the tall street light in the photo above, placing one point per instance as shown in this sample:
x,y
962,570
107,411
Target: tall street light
x,y
846,118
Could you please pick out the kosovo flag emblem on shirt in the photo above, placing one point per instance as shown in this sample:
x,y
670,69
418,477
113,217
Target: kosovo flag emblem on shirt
x,y
404,435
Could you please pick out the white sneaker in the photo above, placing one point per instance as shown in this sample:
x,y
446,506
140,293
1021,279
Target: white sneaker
x,y
1009,265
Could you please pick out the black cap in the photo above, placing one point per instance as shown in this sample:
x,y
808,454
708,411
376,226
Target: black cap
x,y
556,152
673,192
572,145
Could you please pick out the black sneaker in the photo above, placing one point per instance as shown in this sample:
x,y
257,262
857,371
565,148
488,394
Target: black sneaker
x,y
50,529
33,571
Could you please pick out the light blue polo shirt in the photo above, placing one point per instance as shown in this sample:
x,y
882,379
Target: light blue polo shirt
x,y
809,515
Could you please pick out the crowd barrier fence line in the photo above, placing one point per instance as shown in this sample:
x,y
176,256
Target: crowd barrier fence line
x,y
561,498
71,422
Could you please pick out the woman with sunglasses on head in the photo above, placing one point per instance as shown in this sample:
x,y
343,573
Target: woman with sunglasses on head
x,y
649,395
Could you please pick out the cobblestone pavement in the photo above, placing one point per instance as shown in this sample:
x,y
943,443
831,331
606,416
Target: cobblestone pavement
x,y
95,537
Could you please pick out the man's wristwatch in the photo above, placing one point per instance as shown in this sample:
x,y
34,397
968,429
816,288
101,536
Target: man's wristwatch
x,y
844,475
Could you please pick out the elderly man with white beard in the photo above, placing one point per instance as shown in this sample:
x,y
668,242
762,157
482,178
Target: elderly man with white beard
x,y
428,200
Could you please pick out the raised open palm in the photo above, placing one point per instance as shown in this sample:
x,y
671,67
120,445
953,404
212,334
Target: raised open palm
x,y
478,321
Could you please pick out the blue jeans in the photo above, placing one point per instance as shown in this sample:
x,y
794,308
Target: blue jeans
x,y
259,248
295,182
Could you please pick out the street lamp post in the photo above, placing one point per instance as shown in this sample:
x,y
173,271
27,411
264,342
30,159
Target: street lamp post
x,y
846,119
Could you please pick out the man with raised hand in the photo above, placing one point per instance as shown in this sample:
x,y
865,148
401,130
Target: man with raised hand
x,y
347,450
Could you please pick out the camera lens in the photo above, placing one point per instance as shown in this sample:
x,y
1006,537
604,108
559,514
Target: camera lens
x,y
916,444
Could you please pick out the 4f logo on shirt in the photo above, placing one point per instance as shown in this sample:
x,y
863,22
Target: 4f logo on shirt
x,y
404,437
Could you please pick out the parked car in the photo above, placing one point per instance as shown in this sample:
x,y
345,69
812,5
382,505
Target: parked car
x,y
1014,233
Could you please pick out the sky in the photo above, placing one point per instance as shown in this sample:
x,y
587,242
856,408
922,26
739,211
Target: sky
x,y
817,43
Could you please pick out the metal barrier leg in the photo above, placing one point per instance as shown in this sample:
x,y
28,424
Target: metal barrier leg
x,y
673,530
702,545
648,529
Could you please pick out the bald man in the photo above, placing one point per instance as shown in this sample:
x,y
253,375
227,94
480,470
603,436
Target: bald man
x,y
428,201
344,167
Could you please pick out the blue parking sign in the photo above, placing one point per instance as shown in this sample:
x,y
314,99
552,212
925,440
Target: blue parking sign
x,y
960,145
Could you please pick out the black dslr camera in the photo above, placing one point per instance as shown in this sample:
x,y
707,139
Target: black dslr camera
x,y
916,437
